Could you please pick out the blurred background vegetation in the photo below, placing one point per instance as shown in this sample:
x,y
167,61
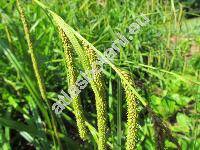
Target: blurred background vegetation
x,y
164,59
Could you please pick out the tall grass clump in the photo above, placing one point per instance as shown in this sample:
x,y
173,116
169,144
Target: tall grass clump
x,y
96,83
132,114
158,106
72,77
87,56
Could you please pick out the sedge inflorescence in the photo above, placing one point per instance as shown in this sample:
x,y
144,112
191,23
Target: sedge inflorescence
x,y
72,77
131,113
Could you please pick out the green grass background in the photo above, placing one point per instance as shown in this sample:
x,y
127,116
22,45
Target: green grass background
x,y
164,59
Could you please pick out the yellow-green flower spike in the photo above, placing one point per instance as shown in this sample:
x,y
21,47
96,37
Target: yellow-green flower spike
x,y
72,77
30,47
51,123
131,114
99,90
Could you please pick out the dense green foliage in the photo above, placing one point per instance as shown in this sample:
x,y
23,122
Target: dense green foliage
x,y
163,60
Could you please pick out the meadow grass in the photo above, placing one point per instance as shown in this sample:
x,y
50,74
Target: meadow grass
x,y
148,98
